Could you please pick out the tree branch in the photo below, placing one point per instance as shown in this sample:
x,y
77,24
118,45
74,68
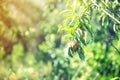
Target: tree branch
x,y
105,12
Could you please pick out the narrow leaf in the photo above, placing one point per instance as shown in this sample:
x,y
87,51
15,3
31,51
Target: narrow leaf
x,y
81,53
70,52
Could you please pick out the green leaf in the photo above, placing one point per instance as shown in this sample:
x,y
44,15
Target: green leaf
x,y
104,21
89,29
79,37
116,28
68,18
81,53
70,52
83,41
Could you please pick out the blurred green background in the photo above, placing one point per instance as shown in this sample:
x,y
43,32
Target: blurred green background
x,y
32,49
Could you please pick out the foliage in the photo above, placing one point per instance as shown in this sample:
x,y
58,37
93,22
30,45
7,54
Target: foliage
x,y
94,22
84,21
33,47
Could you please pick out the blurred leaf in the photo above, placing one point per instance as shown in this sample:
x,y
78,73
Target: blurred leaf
x,y
70,52
66,12
116,28
81,53
80,36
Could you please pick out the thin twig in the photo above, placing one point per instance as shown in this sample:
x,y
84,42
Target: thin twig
x,y
105,12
